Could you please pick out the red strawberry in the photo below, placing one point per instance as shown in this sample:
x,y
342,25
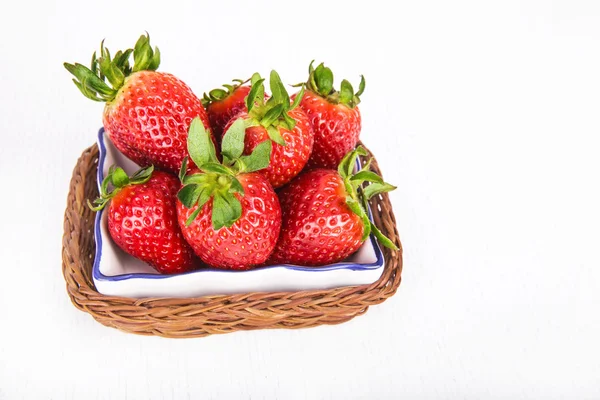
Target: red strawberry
x,y
228,213
142,218
334,117
324,214
283,123
223,104
147,113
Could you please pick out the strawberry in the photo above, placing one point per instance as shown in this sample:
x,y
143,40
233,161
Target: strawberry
x,y
142,218
325,214
223,104
228,213
147,113
334,116
280,121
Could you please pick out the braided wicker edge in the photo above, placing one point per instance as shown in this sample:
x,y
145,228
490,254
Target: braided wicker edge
x,y
203,316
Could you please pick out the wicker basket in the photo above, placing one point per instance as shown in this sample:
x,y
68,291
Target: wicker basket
x,y
202,316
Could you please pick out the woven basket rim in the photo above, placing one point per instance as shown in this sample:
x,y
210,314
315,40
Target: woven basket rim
x,y
213,314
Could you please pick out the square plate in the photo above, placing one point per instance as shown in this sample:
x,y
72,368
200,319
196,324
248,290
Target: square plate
x,y
117,273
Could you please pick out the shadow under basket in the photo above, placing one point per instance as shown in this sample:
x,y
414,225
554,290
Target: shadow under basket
x,y
207,315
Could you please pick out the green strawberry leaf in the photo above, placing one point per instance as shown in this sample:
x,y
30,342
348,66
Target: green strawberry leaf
x,y
382,238
323,80
289,121
298,98
107,180
94,63
216,167
193,216
367,165
359,151
82,86
348,186
115,76
259,158
183,169
155,61
357,209
236,186
142,175
278,92
92,82
119,179
120,58
376,188
117,60
205,195
361,86
255,78
272,115
189,195
226,210
235,206
351,163
365,175
275,135
357,197
200,145
144,58
320,81
250,122
233,142
257,92
142,54
346,92
285,97
197,179
217,94
343,165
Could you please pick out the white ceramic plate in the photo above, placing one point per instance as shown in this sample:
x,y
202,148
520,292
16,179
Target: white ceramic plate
x,y
119,274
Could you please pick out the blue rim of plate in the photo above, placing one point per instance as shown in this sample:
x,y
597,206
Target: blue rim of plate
x,y
98,239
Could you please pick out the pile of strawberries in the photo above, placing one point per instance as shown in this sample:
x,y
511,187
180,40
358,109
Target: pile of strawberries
x,y
237,179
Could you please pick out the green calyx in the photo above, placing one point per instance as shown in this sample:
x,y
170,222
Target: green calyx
x,y
219,94
219,180
273,113
106,75
118,179
320,81
357,195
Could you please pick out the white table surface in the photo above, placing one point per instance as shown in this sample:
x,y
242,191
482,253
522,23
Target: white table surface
x,y
484,114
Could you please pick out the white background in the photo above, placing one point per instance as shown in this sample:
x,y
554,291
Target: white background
x,y
484,114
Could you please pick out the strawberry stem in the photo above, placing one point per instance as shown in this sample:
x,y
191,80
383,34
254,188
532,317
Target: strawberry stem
x,y
273,113
219,94
358,196
118,179
320,81
106,75
218,181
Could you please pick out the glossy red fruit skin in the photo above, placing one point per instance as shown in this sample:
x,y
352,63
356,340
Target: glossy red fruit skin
x,y
142,220
336,129
149,119
249,241
286,161
220,112
318,228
